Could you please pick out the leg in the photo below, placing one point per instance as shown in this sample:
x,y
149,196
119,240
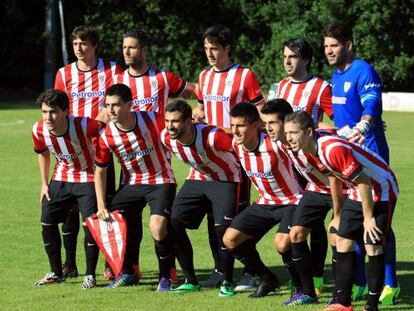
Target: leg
x,y
70,230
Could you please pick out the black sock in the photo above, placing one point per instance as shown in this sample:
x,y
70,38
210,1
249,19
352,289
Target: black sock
x,y
226,257
91,252
345,273
131,248
290,266
301,257
334,255
184,251
138,232
164,252
248,255
319,248
376,270
52,244
214,243
70,230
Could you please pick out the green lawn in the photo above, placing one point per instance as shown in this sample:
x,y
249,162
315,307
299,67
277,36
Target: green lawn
x,y
23,259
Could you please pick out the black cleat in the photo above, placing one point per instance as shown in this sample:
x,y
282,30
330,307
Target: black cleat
x,y
265,288
69,272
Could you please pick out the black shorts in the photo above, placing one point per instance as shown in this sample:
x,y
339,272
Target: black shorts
x,y
196,198
133,198
312,209
62,195
258,219
351,223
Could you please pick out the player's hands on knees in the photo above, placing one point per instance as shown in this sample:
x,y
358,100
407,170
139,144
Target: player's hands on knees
x,y
334,223
103,214
371,230
357,137
44,192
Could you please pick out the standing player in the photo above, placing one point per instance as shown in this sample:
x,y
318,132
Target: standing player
x,y
214,169
69,139
270,170
85,82
357,103
220,88
366,213
306,92
147,178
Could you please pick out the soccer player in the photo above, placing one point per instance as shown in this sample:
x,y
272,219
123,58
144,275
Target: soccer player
x,y
212,185
85,82
70,139
357,103
221,87
367,210
147,178
307,92
270,170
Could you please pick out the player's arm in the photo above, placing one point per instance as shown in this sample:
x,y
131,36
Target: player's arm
x,y
100,190
199,114
44,165
103,116
190,91
337,199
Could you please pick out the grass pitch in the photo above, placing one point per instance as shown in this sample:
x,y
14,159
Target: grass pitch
x,y
23,260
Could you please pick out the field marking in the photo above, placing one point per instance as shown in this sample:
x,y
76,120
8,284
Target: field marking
x,y
16,122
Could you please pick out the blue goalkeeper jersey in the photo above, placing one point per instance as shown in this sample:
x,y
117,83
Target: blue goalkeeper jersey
x,y
357,92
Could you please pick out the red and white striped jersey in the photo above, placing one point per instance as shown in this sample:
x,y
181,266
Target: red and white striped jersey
x,y
347,161
210,155
74,151
150,90
220,90
140,151
270,169
313,96
86,89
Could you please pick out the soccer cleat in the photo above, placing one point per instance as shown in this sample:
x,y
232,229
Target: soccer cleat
x,y
358,292
247,282
89,281
265,288
173,275
300,299
368,308
50,279
338,307
332,301
318,284
214,280
226,290
69,271
185,288
164,285
295,291
124,280
109,274
389,295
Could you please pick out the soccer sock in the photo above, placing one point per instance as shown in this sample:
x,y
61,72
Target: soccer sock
x,y
91,252
247,254
375,279
319,248
214,243
290,266
226,257
52,244
301,257
345,273
139,231
334,255
70,230
131,251
390,260
360,278
164,253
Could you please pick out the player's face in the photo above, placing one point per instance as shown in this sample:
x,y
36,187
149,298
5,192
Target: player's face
x,y
117,110
294,64
83,49
243,131
134,54
274,126
336,53
296,137
217,55
53,118
175,124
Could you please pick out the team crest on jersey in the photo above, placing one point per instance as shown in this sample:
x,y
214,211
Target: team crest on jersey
x,y
347,86
229,83
101,77
306,94
154,84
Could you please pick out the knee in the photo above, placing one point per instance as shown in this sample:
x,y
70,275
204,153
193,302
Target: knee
x,y
374,250
229,239
344,245
158,227
297,234
282,242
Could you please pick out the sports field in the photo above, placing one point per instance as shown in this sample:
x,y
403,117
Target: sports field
x,y
23,260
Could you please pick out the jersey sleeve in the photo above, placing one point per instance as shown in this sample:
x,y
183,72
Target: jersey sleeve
x,y
200,88
94,128
103,153
343,161
326,102
38,143
175,83
369,89
252,88
222,141
59,83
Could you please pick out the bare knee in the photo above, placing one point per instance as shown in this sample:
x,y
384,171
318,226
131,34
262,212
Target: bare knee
x,y
158,227
282,242
298,234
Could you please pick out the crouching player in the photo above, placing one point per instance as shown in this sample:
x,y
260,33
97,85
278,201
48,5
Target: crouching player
x,y
367,210
71,140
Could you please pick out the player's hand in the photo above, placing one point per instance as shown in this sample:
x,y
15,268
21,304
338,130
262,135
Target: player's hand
x,y
198,116
44,192
371,230
334,223
103,214
357,137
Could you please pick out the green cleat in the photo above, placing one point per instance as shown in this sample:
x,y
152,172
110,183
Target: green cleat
x,y
359,292
389,295
185,288
226,290
318,284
